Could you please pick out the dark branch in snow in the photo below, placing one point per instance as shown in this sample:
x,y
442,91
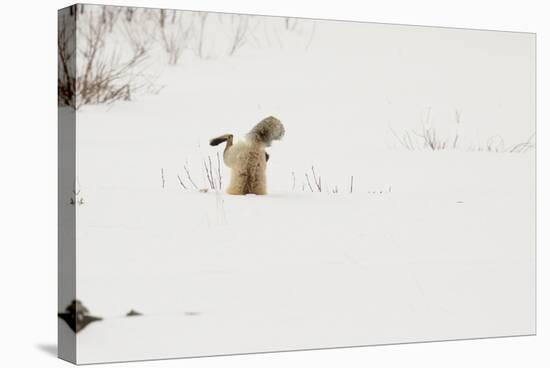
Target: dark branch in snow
x,y
181,182
189,177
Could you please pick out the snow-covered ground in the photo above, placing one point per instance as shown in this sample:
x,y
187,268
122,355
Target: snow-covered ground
x,y
427,246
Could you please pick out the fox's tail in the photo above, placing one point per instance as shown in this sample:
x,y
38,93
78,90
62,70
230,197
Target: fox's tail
x,y
266,131
220,139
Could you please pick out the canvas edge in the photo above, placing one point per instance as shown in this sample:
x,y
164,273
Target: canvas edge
x,y
66,246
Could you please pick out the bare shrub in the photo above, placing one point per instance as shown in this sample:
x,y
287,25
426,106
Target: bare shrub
x,y
181,182
493,144
66,55
290,23
309,183
76,197
317,180
114,44
202,19
209,173
240,32
103,74
314,183
129,14
523,146
215,183
303,28
109,15
189,177
175,35
105,78
219,170
427,137
406,139
139,34
497,144
431,138
311,35
162,17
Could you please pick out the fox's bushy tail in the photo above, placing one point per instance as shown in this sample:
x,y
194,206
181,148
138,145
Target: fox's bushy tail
x,y
220,139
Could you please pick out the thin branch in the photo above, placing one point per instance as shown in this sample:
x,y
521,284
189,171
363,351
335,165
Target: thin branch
x,y
189,177
312,34
181,182
209,174
316,179
219,170
308,183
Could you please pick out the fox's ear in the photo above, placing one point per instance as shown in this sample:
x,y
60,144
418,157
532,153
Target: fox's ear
x,y
266,157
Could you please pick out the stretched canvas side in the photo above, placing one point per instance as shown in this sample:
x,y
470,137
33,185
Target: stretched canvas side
x,y
66,277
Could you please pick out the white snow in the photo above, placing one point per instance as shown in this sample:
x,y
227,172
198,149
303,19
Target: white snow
x,y
429,246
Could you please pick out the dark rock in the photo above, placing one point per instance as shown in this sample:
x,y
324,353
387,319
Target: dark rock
x,y
133,313
77,316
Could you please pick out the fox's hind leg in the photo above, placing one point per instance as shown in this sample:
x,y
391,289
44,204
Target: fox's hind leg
x,y
257,180
238,183
259,189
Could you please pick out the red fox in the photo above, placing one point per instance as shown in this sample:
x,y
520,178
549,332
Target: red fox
x,y
247,159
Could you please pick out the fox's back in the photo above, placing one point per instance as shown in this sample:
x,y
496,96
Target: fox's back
x,y
248,163
245,154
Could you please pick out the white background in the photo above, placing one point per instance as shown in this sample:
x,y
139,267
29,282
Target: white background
x,y
28,181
